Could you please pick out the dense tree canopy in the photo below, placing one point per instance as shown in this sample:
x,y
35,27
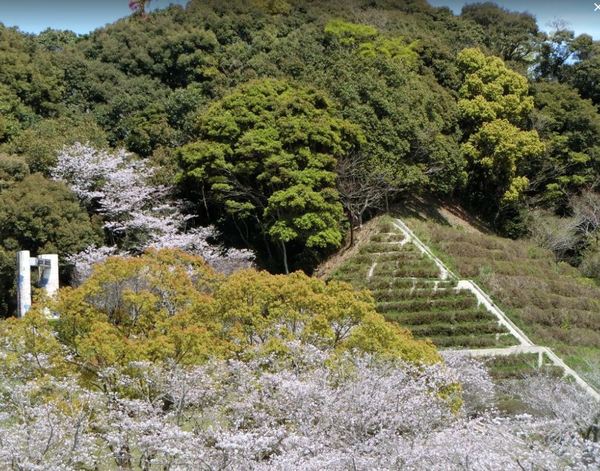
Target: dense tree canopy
x,y
266,157
495,154
570,127
410,122
167,306
510,35
495,106
490,90
418,83
242,128
37,214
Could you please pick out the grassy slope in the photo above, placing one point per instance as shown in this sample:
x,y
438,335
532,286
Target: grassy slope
x,y
551,302
408,290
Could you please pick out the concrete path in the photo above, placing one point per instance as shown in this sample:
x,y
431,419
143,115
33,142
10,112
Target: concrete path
x,y
525,343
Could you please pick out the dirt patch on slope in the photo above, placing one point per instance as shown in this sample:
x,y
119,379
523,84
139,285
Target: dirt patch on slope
x,y
457,217
361,236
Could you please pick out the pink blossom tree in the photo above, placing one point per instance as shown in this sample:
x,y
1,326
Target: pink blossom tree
x,y
138,7
288,412
136,214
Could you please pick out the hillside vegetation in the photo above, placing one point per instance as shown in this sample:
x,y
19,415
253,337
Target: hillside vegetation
x,y
551,301
411,291
282,124
192,166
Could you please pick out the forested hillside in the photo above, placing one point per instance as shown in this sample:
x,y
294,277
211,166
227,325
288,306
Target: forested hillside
x,y
192,166
283,123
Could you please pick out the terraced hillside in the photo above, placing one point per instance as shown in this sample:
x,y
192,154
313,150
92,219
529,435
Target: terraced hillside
x,y
551,302
411,289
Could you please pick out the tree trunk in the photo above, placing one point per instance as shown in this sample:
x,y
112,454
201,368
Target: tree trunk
x,y
205,203
244,240
285,260
351,221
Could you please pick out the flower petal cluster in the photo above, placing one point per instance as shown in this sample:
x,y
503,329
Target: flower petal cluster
x,y
137,214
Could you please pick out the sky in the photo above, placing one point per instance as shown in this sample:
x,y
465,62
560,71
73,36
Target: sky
x,y
83,16
583,16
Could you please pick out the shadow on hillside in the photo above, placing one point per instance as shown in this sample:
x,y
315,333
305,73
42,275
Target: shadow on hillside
x,y
420,208
432,209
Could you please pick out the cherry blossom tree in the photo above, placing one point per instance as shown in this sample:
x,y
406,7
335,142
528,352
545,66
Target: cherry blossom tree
x,y
138,7
136,214
288,412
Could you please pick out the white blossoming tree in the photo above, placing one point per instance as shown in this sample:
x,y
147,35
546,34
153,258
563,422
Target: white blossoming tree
x,y
288,413
136,214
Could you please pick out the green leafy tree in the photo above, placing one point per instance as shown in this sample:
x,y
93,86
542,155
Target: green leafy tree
x,y
134,116
147,130
56,40
30,73
585,73
510,35
257,308
494,154
495,105
490,91
410,121
266,158
274,7
171,48
392,48
40,143
570,128
14,115
557,50
12,169
41,216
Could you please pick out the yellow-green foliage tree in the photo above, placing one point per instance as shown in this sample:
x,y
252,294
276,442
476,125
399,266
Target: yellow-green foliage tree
x,y
494,106
349,34
264,309
168,306
156,307
490,90
494,153
370,43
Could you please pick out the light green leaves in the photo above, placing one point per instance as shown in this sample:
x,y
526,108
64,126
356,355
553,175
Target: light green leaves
x,y
496,151
350,34
490,90
267,154
494,106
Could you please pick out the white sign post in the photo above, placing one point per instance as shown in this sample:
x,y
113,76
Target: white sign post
x,y
47,277
23,282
